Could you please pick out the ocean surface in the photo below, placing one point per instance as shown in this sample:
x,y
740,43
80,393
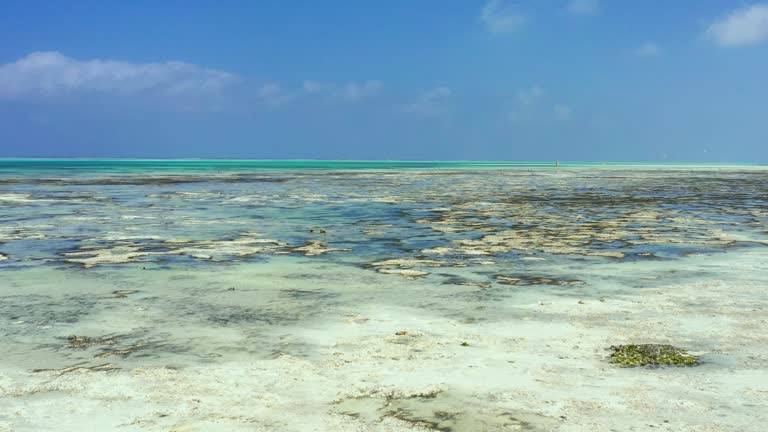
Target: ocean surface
x,y
203,212
346,291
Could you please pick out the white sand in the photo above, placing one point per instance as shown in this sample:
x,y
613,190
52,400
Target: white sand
x,y
535,354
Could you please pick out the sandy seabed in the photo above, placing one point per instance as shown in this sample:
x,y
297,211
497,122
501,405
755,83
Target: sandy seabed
x,y
264,347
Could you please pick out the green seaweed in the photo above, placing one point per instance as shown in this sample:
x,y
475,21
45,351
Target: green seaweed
x,y
634,355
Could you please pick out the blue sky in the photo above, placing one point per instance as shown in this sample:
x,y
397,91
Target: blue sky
x,y
399,79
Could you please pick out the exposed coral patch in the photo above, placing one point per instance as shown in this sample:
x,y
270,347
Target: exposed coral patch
x,y
409,273
316,247
536,280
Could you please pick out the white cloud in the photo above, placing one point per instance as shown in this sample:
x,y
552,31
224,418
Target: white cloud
x,y
270,90
274,95
583,7
317,87
745,26
431,102
51,74
529,96
531,106
562,112
500,18
524,108
648,49
349,92
353,92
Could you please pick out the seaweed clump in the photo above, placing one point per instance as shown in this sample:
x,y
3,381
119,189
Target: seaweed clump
x,y
651,355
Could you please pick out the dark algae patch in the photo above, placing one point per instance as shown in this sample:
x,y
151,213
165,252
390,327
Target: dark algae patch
x,y
80,367
85,341
439,411
651,355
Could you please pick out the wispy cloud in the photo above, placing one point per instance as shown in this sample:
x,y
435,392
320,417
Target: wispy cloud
x,y
353,92
583,7
347,92
317,87
525,104
431,102
499,17
648,49
530,106
274,95
529,96
562,112
52,74
270,90
745,26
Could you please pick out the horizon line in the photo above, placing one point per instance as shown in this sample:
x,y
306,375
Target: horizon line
x,y
553,161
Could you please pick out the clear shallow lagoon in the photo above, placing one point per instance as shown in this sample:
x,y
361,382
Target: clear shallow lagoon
x,y
265,295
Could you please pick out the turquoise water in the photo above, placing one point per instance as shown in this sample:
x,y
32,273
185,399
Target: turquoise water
x,y
138,165
165,165
203,211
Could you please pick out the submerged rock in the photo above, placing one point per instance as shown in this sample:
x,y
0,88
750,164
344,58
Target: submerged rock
x,y
606,254
120,352
407,262
467,283
409,273
79,367
651,355
123,252
116,255
316,247
123,293
536,280
85,341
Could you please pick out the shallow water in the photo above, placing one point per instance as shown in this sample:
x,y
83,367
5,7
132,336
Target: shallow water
x,y
195,275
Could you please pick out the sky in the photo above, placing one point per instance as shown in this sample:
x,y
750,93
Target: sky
x,y
572,80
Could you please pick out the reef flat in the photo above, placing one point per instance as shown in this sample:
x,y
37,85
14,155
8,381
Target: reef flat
x,y
390,299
